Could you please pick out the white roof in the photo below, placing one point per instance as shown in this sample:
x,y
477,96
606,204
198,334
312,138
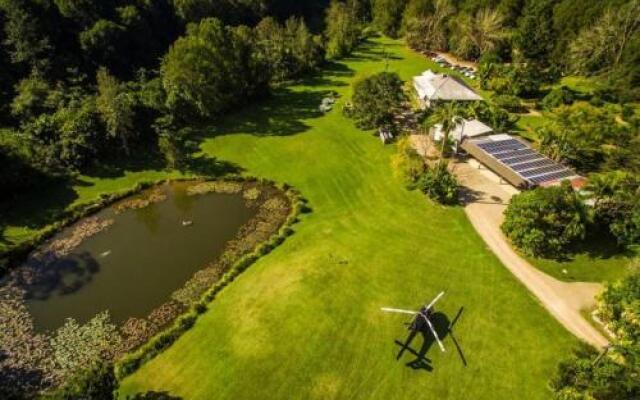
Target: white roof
x,y
433,86
467,128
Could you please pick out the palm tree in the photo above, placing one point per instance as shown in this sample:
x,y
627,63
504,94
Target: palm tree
x,y
448,116
480,32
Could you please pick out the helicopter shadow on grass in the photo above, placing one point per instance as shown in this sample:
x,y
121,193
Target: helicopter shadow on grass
x,y
444,328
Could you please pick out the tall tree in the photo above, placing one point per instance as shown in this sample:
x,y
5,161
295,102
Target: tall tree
x,y
387,15
479,33
535,37
426,29
212,69
600,47
448,116
342,29
116,107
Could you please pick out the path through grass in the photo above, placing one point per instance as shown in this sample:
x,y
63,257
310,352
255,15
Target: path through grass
x,y
304,322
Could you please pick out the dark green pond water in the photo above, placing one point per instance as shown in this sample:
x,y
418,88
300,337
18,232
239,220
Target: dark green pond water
x,y
133,266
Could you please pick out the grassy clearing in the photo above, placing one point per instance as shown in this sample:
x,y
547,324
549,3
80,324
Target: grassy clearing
x,y
603,262
304,322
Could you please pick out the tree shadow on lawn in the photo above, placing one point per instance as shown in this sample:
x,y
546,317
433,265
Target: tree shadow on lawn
x,y
41,205
370,51
283,114
597,245
444,328
332,71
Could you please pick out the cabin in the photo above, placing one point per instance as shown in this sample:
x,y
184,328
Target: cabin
x,y
433,88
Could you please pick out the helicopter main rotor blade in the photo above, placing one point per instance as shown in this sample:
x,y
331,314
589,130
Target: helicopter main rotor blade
x,y
434,300
397,310
434,332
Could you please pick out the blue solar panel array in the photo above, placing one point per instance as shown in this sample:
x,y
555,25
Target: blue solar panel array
x,y
523,160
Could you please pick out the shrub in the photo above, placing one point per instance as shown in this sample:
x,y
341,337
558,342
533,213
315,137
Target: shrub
x,y
619,307
406,163
558,97
375,100
508,102
589,376
439,184
545,221
98,382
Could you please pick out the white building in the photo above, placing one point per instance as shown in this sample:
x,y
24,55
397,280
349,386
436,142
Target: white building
x,y
433,87
466,128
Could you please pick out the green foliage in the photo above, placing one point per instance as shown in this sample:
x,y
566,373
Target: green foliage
x,y
103,42
619,308
557,97
290,48
584,136
31,97
116,107
508,102
588,376
387,15
491,114
407,164
93,383
439,184
616,197
376,99
473,35
535,37
343,29
425,25
212,69
545,221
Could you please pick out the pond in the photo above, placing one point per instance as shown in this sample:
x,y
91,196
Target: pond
x,y
138,260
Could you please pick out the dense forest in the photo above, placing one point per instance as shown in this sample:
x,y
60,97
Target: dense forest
x,y
83,80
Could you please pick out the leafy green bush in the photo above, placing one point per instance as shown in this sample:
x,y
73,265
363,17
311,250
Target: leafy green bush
x,y
619,307
98,382
545,221
589,376
508,102
439,184
406,163
558,97
376,99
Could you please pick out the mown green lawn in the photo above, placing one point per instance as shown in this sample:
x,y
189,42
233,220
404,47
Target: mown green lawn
x,y
304,321
603,262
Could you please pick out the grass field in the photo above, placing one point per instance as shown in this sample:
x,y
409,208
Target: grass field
x,y
602,263
304,322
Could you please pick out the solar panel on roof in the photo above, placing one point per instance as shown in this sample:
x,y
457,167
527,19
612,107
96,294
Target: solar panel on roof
x,y
503,145
538,163
552,177
524,161
507,157
545,170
